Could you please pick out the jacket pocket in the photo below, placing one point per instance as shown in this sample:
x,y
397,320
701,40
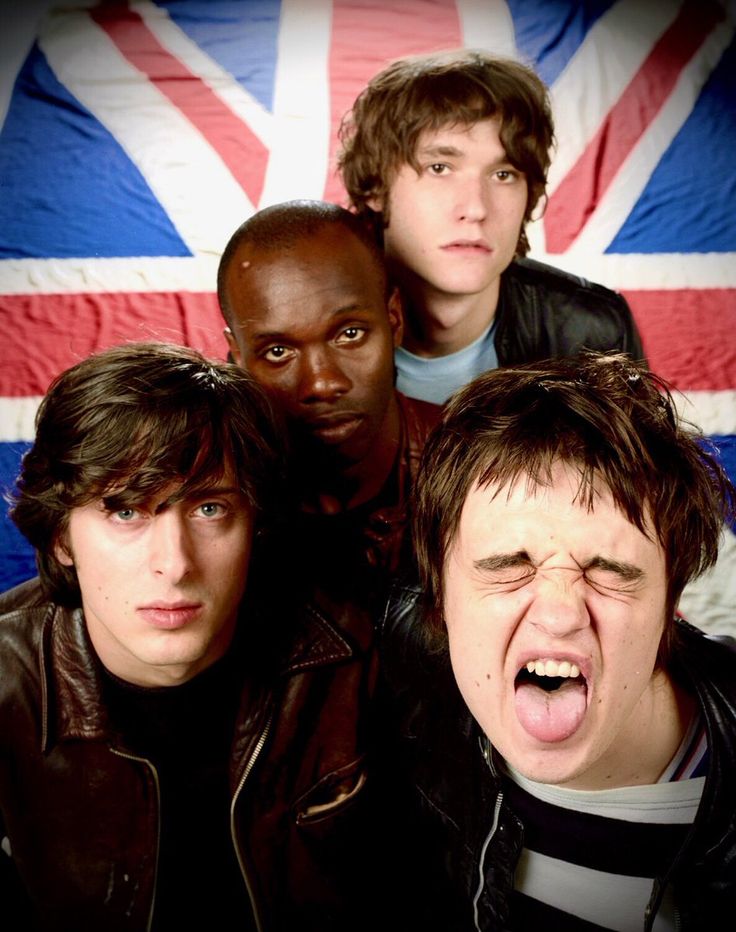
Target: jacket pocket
x,y
336,792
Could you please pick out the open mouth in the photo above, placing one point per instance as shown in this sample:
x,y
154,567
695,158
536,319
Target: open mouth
x,y
551,698
549,674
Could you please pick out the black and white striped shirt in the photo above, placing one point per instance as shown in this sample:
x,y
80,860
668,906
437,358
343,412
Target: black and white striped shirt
x,y
590,857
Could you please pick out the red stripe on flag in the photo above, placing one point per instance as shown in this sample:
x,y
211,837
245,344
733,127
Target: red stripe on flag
x,y
572,204
688,335
46,333
242,152
365,38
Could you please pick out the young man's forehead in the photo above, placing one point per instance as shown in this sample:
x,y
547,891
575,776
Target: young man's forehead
x,y
452,132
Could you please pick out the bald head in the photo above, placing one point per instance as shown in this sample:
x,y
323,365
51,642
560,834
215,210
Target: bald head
x,y
282,227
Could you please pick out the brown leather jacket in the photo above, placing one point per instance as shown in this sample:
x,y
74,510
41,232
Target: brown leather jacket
x,y
80,813
312,811
386,529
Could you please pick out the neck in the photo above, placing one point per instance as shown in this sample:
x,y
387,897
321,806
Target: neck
x,y
650,741
437,323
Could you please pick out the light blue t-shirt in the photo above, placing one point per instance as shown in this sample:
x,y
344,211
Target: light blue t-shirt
x,y
436,378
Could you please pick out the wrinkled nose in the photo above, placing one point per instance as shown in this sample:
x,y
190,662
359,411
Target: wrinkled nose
x,y
559,607
170,546
322,378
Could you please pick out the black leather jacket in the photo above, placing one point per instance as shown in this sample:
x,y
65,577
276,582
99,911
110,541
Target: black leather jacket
x,y
80,812
455,791
544,312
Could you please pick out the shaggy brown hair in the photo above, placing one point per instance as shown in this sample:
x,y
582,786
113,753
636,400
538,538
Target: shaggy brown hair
x,y
416,94
608,417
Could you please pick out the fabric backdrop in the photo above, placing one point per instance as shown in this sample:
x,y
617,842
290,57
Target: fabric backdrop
x,y
135,137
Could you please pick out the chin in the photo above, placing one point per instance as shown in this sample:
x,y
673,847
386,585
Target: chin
x,y
554,766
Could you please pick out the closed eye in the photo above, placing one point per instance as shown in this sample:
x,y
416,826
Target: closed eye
x,y
611,576
611,583
506,571
511,579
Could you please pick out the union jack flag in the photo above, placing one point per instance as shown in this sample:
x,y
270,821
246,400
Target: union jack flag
x,y
135,137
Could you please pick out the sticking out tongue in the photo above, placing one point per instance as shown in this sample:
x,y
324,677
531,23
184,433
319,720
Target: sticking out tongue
x,y
554,715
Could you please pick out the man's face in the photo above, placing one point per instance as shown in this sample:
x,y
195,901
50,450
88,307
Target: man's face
x,y
534,580
161,583
455,226
313,328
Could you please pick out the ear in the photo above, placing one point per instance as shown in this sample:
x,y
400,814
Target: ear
x,y
62,553
375,203
396,316
232,344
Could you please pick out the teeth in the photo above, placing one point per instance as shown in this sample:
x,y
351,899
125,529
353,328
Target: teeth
x,y
552,668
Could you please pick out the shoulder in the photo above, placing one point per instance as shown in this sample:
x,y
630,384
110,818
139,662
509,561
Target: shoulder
x,y
708,661
22,611
27,594
533,275
545,312
424,413
24,616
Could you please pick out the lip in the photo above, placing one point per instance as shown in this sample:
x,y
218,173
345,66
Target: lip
x,y
471,247
335,428
170,616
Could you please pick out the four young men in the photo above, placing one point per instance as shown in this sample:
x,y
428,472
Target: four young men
x,y
448,156
167,727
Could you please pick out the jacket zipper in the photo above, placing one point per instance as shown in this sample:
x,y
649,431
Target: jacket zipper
x,y
481,865
249,767
143,760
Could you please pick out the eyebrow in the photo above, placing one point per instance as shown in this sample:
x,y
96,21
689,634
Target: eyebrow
x,y
452,151
502,561
440,150
626,571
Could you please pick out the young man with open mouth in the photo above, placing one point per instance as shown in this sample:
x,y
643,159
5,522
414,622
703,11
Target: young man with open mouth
x,y
574,761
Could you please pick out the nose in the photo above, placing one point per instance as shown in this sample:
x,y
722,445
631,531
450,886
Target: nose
x,y
559,607
472,201
170,551
322,378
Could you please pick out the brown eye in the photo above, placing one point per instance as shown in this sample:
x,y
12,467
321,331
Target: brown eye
x,y
351,334
276,353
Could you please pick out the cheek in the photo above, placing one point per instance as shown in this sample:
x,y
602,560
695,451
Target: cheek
x,y
280,385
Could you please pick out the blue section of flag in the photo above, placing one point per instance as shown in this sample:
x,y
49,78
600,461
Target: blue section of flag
x,y
548,34
68,189
240,35
18,562
701,217
726,446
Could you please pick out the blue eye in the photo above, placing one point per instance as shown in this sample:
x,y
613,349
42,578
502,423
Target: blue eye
x,y
211,509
